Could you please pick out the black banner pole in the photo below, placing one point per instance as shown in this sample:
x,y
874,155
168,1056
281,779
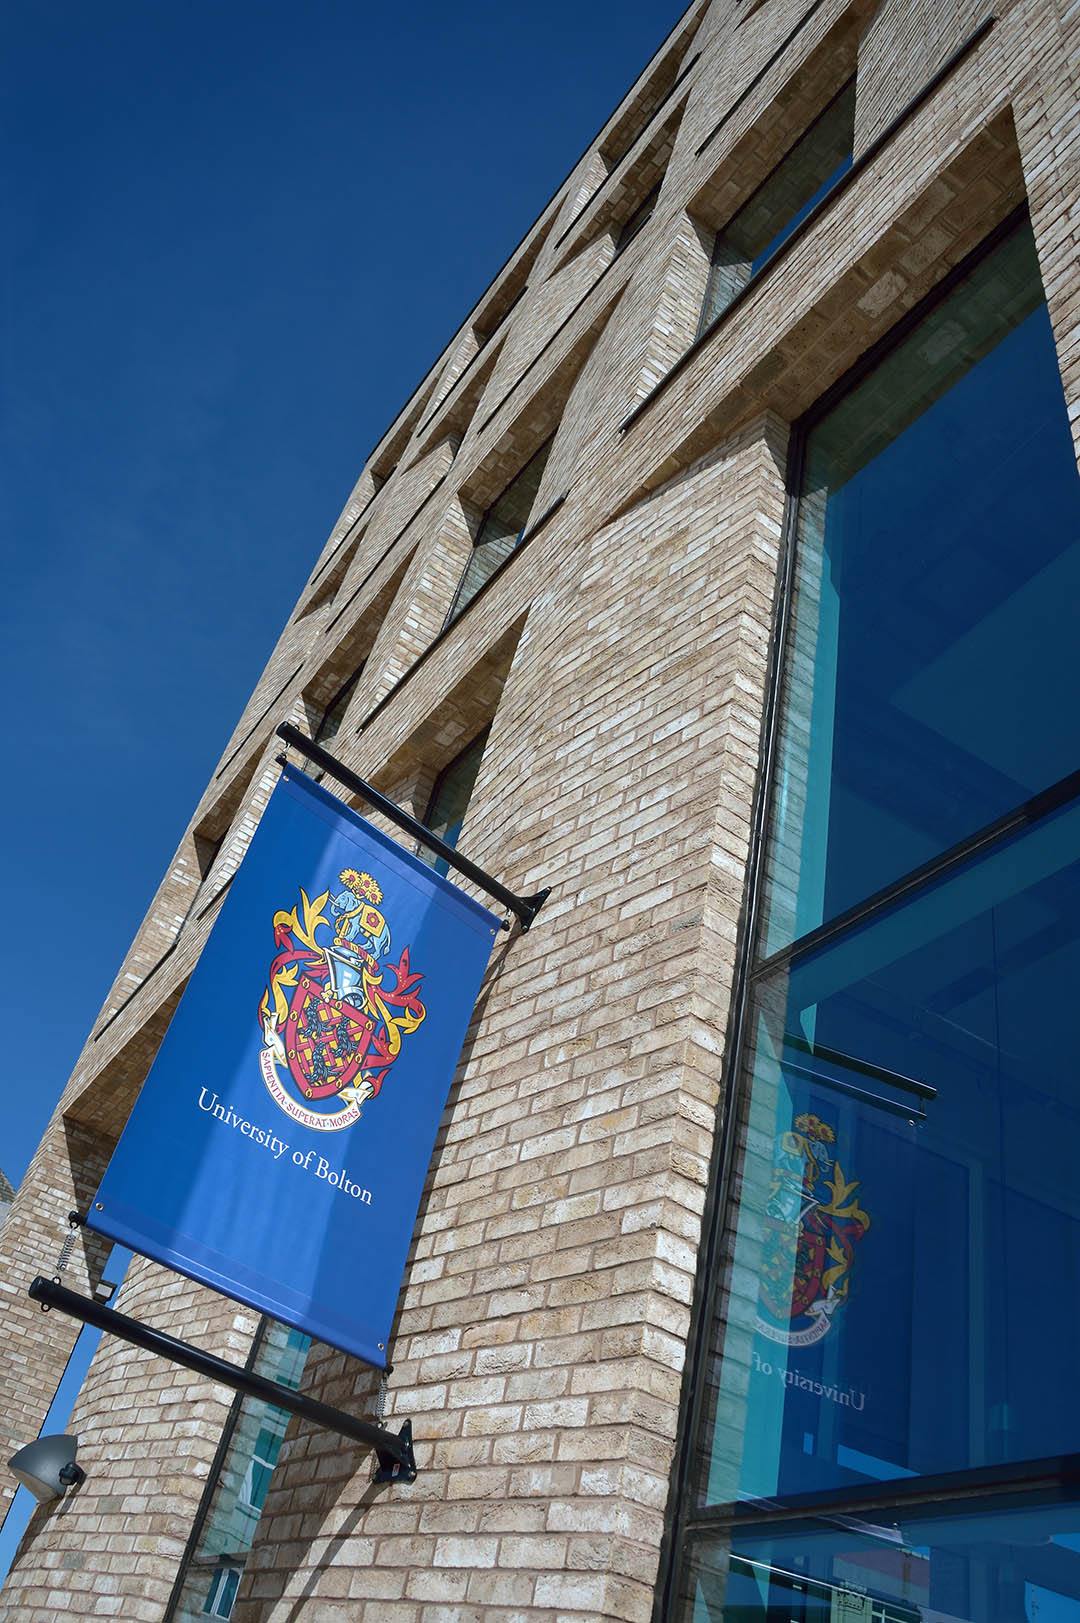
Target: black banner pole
x,y
525,908
395,1451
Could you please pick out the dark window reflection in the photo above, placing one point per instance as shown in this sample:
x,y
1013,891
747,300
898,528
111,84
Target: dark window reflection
x,y
501,530
450,798
933,648
764,223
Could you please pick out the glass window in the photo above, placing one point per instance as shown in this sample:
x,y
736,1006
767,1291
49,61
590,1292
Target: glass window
x,y
222,1594
908,1227
640,217
501,531
450,798
931,652
798,183
335,712
970,1561
255,1433
896,1318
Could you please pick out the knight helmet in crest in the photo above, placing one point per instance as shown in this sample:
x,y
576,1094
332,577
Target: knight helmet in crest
x,y
813,1222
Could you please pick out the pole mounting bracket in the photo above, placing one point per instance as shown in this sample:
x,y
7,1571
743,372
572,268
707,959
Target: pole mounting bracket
x,y
524,908
399,1466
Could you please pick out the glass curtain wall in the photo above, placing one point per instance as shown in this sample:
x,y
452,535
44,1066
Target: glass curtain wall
x,y
225,1531
887,1395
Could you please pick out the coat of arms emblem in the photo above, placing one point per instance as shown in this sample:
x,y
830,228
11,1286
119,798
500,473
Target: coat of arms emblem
x,y
336,1008
813,1222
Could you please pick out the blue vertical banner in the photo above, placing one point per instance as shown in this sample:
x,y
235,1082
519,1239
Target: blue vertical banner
x,y
279,1146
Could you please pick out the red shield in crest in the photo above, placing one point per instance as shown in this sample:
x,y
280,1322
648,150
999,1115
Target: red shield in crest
x,y
326,1039
813,1222
810,1265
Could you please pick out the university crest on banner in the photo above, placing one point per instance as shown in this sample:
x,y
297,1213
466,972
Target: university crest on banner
x,y
813,1222
307,1006
337,1008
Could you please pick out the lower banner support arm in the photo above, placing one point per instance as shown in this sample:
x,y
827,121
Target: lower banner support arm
x,y
394,1450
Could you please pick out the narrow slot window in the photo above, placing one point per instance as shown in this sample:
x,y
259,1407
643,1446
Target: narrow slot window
x,y
501,531
637,221
754,235
450,798
336,710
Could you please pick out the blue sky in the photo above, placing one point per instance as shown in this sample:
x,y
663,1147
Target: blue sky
x,y
237,236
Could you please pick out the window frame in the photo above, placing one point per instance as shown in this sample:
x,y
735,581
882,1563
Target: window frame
x,y
682,1524
219,1584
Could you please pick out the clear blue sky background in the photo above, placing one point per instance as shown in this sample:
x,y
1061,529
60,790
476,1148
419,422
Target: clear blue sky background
x,y
237,236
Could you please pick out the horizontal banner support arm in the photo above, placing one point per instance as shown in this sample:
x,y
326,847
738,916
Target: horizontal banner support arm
x,y
394,1450
524,908
895,1107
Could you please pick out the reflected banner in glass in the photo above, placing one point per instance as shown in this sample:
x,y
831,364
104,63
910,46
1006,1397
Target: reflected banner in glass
x,y
908,1256
895,1321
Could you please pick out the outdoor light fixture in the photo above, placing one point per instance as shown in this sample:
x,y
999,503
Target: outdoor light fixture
x,y
47,1467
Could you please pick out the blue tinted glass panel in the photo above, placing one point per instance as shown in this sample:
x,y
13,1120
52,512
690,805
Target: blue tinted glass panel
x,y
243,1482
902,1293
969,1561
932,655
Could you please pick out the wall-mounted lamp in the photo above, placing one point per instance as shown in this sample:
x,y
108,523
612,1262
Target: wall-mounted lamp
x,y
47,1467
